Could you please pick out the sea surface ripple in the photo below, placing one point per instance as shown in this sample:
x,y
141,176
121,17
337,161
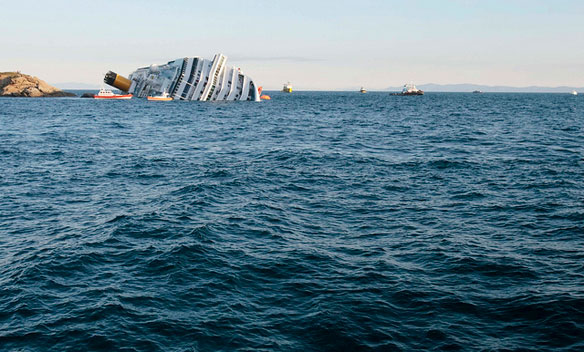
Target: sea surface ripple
x,y
316,221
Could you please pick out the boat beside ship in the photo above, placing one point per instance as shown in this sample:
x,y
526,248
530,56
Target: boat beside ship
x,y
108,94
162,97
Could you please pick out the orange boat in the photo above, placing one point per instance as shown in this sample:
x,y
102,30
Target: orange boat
x,y
263,96
163,97
108,94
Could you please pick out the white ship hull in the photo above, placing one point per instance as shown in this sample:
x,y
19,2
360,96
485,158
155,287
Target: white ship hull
x,y
191,78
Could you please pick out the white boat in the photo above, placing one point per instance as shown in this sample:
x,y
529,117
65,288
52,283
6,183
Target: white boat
x,y
189,78
362,90
574,92
163,97
410,89
108,94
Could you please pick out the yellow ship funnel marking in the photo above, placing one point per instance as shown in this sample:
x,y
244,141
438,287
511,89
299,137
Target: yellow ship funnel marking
x,y
115,80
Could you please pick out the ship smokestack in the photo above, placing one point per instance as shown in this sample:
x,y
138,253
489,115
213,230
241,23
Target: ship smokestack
x,y
115,80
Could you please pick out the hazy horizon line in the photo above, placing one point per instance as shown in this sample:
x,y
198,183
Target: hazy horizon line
x,y
82,85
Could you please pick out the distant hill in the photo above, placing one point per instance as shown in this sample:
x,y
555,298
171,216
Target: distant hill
x,y
465,87
16,84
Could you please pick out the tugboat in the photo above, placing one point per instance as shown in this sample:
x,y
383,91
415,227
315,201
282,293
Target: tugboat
x,y
410,89
287,88
362,90
162,97
108,94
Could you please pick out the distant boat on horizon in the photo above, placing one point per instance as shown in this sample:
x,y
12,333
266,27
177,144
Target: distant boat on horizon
x,y
287,88
574,92
410,89
477,92
362,90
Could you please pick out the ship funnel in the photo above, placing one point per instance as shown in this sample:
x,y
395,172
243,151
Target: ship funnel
x,y
115,80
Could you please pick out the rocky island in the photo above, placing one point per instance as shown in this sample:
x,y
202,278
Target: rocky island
x,y
16,84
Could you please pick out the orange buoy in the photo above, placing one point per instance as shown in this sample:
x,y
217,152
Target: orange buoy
x,y
265,97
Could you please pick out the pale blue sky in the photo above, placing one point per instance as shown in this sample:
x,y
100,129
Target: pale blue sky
x,y
314,44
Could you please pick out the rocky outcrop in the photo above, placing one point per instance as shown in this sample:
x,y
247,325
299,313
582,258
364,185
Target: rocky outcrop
x,y
16,84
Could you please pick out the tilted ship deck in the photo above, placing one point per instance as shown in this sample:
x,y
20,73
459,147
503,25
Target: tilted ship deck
x,y
189,78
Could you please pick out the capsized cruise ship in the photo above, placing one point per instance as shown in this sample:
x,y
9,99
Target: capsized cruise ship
x,y
189,78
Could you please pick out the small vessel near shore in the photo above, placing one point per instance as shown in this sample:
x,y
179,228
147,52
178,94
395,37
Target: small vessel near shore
x,y
574,92
362,90
410,89
108,94
287,88
162,97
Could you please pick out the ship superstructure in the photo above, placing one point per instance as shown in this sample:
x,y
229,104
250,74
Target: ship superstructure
x,y
410,89
189,78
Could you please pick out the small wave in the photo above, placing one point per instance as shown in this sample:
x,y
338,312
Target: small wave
x,y
469,196
469,265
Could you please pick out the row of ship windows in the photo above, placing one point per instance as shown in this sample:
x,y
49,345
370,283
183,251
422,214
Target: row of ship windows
x,y
195,64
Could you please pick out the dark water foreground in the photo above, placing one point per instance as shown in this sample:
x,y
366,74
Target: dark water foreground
x,y
313,222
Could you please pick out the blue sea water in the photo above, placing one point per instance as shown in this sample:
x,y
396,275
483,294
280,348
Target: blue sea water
x,y
316,221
